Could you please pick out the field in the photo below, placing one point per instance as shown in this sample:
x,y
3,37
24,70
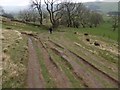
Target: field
x,y
104,7
68,58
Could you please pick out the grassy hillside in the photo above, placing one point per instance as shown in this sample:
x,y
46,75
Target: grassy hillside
x,y
68,58
104,30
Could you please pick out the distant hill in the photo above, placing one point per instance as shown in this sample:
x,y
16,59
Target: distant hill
x,y
14,9
104,7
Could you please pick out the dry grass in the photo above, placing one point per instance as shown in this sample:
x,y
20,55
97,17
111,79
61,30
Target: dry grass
x,y
14,63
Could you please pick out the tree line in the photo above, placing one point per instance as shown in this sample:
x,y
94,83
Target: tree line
x,y
63,13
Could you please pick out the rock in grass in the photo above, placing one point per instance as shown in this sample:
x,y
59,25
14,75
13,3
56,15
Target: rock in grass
x,y
21,59
8,45
3,58
86,34
25,47
17,40
96,43
20,38
75,32
88,39
2,37
13,47
5,50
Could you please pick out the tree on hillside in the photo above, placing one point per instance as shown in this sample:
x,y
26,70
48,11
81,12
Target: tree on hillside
x,y
75,14
79,14
69,7
24,15
83,15
55,11
36,4
95,19
115,22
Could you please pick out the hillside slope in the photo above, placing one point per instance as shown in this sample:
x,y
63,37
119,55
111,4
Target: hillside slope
x,y
105,7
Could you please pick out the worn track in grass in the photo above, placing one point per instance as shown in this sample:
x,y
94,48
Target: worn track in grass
x,y
34,78
89,65
60,79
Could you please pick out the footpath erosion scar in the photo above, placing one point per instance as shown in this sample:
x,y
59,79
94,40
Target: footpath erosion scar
x,y
34,78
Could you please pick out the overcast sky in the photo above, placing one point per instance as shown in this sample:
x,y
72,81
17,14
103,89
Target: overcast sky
x,y
27,2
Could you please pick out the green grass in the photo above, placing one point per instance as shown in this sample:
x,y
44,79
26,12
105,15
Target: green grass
x,y
109,56
104,31
48,79
23,26
105,7
67,40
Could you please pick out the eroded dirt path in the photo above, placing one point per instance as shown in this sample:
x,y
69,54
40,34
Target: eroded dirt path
x,y
34,78
95,70
59,77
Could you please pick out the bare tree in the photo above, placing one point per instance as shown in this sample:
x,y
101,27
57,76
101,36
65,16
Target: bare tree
x,y
28,15
80,14
115,22
36,4
24,16
74,14
69,7
54,11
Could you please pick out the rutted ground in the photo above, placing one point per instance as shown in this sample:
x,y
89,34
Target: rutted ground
x,y
65,62
35,79
104,72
